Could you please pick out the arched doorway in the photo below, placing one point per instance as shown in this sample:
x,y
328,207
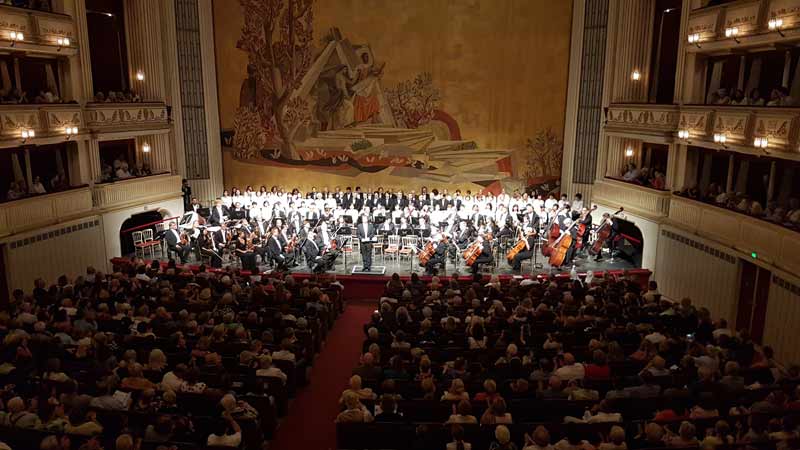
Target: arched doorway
x,y
135,223
629,242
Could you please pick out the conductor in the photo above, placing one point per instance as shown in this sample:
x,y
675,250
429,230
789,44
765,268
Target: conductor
x,y
366,236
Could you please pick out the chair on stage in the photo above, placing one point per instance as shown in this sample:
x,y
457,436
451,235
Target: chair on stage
x,y
161,228
393,247
408,247
138,244
377,247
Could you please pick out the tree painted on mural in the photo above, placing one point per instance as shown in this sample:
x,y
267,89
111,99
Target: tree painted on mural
x,y
543,155
277,36
414,102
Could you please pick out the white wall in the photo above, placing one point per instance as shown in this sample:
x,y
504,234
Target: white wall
x,y
690,266
649,231
112,222
783,317
63,249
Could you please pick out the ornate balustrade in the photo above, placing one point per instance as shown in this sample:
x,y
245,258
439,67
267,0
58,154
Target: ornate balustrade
x,y
114,117
46,121
642,118
43,32
751,21
123,193
770,242
43,210
639,200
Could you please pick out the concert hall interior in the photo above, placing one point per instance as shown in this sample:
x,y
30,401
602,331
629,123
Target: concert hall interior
x,y
399,224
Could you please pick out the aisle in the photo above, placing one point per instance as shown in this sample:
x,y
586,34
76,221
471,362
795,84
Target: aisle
x,y
309,424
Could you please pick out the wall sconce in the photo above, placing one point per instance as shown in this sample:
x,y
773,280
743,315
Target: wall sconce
x,y
761,142
62,42
776,25
732,32
15,37
694,38
721,138
70,132
628,152
636,75
140,75
684,136
145,148
27,133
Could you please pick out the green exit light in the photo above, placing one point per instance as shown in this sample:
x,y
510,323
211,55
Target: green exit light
x,y
754,255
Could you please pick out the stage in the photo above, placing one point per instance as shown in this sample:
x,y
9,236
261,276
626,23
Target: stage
x,y
369,286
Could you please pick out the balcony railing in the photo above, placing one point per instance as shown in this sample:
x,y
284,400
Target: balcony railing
x,y
113,117
46,120
43,210
643,118
769,242
743,24
741,125
42,32
639,200
123,193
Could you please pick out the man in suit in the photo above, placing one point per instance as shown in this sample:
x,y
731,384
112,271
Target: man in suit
x,y
486,253
219,213
173,237
347,199
366,235
438,257
275,249
527,252
311,250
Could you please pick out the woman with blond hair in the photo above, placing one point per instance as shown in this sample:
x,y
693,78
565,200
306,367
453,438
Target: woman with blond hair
x,y
502,439
496,413
356,388
354,411
456,392
157,361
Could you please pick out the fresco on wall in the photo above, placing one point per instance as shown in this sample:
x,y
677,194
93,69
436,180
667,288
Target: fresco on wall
x,y
319,102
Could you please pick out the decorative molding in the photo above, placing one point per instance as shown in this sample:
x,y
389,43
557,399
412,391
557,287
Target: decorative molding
x,y
108,117
649,203
696,120
53,234
41,29
34,212
649,118
705,23
699,246
133,191
734,122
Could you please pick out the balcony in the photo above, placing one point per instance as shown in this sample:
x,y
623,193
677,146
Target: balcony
x,y
751,21
33,212
41,31
48,121
772,243
643,120
131,118
643,201
133,191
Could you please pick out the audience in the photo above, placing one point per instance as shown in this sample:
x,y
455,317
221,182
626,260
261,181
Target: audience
x,y
785,213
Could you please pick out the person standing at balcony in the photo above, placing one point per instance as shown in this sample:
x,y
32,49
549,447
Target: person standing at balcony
x,y
187,195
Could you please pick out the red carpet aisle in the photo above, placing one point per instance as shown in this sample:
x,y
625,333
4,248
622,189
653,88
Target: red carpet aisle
x,y
309,425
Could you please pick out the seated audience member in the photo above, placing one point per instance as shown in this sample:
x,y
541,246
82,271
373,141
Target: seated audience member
x,y
225,434
354,412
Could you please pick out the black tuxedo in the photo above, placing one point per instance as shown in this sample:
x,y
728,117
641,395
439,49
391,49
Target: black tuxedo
x,y
485,256
438,257
217,213
365,236
346,200
311,250
174,244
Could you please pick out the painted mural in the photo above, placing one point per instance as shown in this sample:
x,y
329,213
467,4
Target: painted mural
x,y
316,102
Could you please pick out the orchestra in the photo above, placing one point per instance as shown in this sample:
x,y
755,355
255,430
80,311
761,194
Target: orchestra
x,y
286,228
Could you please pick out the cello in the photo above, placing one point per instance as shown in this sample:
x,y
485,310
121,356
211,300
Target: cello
x,y
426,253
518,247
553,232
603,233
582,230
472,252
561,246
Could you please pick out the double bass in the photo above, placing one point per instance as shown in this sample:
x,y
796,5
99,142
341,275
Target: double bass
x,y
553,232
603,233
582,230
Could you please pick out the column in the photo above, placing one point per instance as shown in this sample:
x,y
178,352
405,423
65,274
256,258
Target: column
x,y
729,182
86,81
787,64
159,157
92,152
635,20
143,35
741,176
773,168
28,169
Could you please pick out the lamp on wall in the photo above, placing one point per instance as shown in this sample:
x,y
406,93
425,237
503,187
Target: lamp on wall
x,y
15,37
694,38
684,136
761,142
145,148
628,152
776,25
27,133
62,42
140,75
721,138
70,132
636,75
732,32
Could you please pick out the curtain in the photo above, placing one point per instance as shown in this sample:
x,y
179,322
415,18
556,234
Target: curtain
x,y
716,78
52,86
5,78
16,167
755,76
794,87
59,162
